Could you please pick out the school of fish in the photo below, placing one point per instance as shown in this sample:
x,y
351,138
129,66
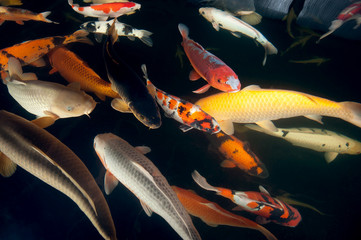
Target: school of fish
x,y
25,142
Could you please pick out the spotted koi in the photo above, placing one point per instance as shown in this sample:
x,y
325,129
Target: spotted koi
x,y
261,203
208,66
187,113
106,10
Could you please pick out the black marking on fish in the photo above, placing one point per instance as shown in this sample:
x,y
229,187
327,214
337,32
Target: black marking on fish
x,y
284,133
313,130
9,55
127,29
57,41
339,146
181,109
235,151
90,27
323,145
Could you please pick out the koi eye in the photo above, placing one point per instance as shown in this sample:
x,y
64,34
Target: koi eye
x,y
203,12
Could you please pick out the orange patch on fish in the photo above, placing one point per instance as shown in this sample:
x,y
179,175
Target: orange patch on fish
x,y
115,7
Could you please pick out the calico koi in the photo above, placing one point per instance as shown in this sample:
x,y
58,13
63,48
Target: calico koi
x,y
259,203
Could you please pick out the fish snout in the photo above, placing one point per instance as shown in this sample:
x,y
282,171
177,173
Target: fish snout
x,y
233,84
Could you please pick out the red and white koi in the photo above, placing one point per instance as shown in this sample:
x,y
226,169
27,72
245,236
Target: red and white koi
x,y
351,12
259,203
208,66
187,113
106,10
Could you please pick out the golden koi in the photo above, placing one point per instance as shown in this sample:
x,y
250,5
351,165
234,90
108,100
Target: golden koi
x,y
20,15
256,105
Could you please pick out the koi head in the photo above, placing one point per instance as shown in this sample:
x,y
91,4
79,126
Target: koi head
x,y
148,114
206,12
68,104
224,79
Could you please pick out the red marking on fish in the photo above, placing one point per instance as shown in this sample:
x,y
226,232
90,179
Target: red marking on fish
x,y
350,11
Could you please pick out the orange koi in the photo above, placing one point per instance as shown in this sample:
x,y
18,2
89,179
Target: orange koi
x,y
208,66
20,15
192,116
259,203
30,52
238,154
106,10
73,69
213,215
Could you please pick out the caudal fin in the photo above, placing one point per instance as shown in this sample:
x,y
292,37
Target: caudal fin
x,y
146,38
183,29
355,109
202,182
43,18
269,50
79,36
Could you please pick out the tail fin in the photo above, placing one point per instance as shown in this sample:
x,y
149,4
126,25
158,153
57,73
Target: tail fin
x,y
183,29
112,32
146,39
355,109
79,36
151,88
43,16
202,182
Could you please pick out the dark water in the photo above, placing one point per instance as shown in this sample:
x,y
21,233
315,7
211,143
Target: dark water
x,y
30,209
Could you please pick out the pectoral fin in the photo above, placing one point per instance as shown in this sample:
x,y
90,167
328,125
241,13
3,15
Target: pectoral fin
x,y
7,167
110,182
237,35
100,96
185,128
44,122
38,63
316,118
215,26
228,164
330,156
53,70
263,190
146,209
120,105
74,85
193,75
268,125
226,126
202,89
143,149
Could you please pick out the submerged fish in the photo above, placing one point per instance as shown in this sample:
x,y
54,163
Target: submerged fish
x,y
131,88
227,21
207,66
105,10
294,10
352,12
128,165
238,154
316,60
11,2
43,98
256,105
44,156
99,28
73,69
20,15
213,215
320,140
192,116
259,203
30,52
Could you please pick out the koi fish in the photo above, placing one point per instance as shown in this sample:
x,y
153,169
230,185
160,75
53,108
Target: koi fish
x,y
20,15
44,156
106,10
286,197
256,105
43,98
352,12
131,88
11,2
99,28
238,154
128,165
103,1
31,52
259,203
182,111
207,66
73,69
294,10
317,61
320,140
227,21
213,215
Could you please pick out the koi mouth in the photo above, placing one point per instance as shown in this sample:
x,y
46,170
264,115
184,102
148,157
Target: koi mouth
x,y
233,83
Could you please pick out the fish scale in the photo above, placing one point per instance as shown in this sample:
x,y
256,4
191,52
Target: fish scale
x,y
147,183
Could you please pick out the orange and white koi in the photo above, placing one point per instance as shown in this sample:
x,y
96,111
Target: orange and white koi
x,y
106,10
187,113
259,203
213,215
208,66
352,12
31,52
73,69
20,15
238,154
